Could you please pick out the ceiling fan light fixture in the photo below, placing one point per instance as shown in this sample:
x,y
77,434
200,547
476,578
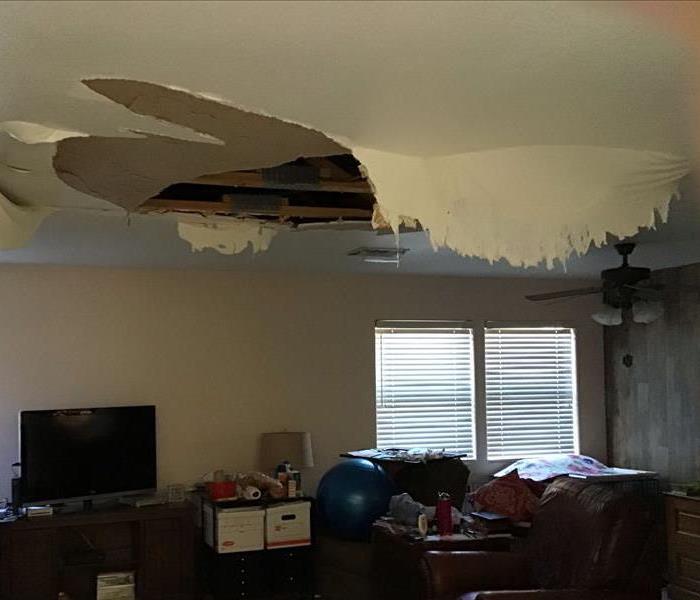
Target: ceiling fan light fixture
x,y
645,311
609,316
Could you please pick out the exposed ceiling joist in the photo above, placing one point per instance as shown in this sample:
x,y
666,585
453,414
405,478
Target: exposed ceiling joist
x,y
324,212
328,169
224,207
247,179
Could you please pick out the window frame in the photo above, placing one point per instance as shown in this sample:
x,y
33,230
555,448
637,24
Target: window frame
x,y
433,324
574,376
478,328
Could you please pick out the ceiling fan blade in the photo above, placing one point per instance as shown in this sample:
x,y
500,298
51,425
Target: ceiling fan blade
x,y
564,294
651,292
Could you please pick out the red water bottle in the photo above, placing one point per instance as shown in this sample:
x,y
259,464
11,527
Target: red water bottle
x,y
443,514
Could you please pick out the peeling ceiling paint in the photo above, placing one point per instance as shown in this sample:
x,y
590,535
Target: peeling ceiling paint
x,y
36,133
227,236
128,171
526,204
522,130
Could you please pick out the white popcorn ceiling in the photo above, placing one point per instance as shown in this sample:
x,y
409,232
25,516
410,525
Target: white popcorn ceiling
x,y
519,130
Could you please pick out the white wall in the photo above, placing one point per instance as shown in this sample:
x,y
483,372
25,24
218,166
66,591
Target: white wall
x,y
225,356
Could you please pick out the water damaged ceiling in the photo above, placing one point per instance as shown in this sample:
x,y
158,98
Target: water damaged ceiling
x,y
478,134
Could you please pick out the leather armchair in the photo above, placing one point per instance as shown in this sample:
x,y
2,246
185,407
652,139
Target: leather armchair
x,y
587,542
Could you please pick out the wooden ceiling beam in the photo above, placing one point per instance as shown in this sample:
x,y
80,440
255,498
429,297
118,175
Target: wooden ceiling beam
x,y
184,205
329,170
249,179
324,212
226,207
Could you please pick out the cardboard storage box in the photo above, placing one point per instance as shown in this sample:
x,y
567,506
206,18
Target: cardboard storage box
x,y
234,529
288,525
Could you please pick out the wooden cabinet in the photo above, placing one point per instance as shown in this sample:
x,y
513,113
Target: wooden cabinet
x,y
41,557
268,574
286,574
683,536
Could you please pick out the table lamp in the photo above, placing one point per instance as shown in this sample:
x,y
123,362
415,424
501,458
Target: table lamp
x,y
291,446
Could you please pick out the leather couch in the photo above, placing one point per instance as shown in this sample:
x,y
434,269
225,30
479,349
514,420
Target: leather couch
x,y
589,541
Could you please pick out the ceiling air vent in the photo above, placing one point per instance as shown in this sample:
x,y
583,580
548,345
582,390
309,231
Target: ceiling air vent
x,y
379,255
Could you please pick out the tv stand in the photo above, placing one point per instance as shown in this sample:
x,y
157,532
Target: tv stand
x,y
43,556
86,506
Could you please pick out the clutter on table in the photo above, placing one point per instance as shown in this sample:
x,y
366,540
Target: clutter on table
x,y
284,453
515,490
409,455
222,486
543,468
415,521
266,485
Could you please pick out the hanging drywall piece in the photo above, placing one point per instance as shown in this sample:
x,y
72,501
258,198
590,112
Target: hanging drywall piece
x,y
527,204
15,168
36,133
227,236
18,223
129,171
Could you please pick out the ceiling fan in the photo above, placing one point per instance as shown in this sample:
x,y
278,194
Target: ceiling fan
x,y
624,287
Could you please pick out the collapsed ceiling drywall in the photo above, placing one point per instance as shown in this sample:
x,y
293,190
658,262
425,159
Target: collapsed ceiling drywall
x,y
529,203
129,171
18,224
516,130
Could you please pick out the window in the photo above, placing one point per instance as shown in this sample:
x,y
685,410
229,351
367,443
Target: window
x,y
530,392
424,386
425,390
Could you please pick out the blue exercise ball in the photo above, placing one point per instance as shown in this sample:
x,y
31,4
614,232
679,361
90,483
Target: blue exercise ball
x,y
352,495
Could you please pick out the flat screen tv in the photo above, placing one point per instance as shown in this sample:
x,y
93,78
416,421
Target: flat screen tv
x,y
87,453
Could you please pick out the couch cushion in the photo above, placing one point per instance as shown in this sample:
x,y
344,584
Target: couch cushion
x,y
588,536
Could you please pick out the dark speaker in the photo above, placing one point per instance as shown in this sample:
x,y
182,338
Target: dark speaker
x,y
16,495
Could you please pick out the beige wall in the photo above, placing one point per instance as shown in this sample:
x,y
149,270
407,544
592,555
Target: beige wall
x,y
225,355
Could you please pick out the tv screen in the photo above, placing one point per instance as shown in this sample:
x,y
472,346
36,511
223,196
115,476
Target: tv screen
x,y
87,452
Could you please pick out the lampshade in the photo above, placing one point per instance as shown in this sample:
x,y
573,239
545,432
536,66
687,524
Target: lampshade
x,y
646,312
608,316
292,446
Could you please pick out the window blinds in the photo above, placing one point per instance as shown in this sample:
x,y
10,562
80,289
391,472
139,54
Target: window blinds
x,y
424,386
530,392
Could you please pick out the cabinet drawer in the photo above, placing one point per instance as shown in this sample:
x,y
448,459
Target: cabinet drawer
x,y
687,523
685,570
292,570
683,536
683,522
31,564
234,576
